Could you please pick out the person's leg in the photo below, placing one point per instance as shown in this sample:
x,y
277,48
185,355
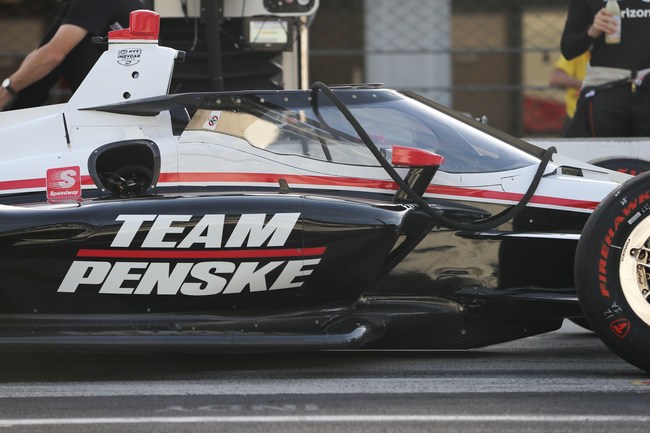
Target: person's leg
x,y
577,126
640,109
608,113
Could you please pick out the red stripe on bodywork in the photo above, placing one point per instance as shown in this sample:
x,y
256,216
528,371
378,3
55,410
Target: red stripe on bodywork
x,y
35,183
498,195
22,184
203,254
274,178
328,181
457,192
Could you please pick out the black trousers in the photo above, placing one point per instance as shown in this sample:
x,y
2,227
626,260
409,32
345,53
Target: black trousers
x,y
612,111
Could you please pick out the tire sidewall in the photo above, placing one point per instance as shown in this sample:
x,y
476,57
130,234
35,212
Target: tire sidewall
x,y
598,258
631,166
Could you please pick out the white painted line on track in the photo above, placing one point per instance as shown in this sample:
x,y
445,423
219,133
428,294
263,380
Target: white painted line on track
x,y
392,386
330,419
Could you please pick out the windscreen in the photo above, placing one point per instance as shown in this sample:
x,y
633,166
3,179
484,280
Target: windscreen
x,y
308,124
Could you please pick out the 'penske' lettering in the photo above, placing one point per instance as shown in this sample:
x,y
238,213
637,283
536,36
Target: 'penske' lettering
x,y
190,279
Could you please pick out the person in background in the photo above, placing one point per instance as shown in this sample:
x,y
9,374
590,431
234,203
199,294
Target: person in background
x,y
569,75
615,98
66,50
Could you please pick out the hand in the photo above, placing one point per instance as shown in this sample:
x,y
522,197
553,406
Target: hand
x,y
561,79
603,23
5,98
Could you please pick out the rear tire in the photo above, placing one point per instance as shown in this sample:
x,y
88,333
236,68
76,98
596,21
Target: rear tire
x,y
612,271
632,166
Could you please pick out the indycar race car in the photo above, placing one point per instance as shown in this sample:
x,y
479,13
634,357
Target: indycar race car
x,y
329,218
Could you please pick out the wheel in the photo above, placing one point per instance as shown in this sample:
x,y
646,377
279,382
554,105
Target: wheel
x,y
138,179
612,271
128,181
633,166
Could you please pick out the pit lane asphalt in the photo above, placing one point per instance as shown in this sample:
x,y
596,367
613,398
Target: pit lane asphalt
x,y
565,381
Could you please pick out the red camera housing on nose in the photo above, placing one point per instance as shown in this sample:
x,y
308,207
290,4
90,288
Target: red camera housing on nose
x,y
143,25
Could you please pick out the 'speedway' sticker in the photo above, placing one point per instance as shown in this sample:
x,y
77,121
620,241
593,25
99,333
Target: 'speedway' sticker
x,y
63,184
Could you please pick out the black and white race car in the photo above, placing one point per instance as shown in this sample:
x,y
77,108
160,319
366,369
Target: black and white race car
x,y
352,217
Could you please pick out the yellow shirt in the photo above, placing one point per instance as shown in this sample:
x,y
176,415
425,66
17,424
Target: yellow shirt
x,y
576,68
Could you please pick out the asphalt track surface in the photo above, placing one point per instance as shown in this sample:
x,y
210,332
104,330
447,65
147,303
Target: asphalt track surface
x,y
565,381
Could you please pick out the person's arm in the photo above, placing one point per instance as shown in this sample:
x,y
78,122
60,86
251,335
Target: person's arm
x,y
43,60
581,29
576,37
560,78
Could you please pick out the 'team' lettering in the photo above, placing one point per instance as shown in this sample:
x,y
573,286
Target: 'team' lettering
x,y
250,231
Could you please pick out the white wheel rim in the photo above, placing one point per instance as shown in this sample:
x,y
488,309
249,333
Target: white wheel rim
x,y
634,270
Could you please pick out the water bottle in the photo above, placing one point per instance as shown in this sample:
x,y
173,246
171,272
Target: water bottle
x,y
613,8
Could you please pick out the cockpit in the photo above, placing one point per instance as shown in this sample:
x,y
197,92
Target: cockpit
x,y
309,124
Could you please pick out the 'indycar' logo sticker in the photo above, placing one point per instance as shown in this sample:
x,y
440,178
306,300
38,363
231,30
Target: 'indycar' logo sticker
x,y
252,257
129,56
63,184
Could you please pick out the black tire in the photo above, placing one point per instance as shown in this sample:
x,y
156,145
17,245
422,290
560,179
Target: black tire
x,y
633,166
612,271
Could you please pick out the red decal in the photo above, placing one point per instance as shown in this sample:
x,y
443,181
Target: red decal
x,y
63,184
602,271
603,289
352,183
630,207
633,204
202,254
618,221
620,327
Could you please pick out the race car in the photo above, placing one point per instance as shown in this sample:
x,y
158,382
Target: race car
x,y
329,218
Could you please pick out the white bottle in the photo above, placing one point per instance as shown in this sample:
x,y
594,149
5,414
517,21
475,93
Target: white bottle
x,y
613,8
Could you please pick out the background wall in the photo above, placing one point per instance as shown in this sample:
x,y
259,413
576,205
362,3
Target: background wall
x,y
500,53
483,57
